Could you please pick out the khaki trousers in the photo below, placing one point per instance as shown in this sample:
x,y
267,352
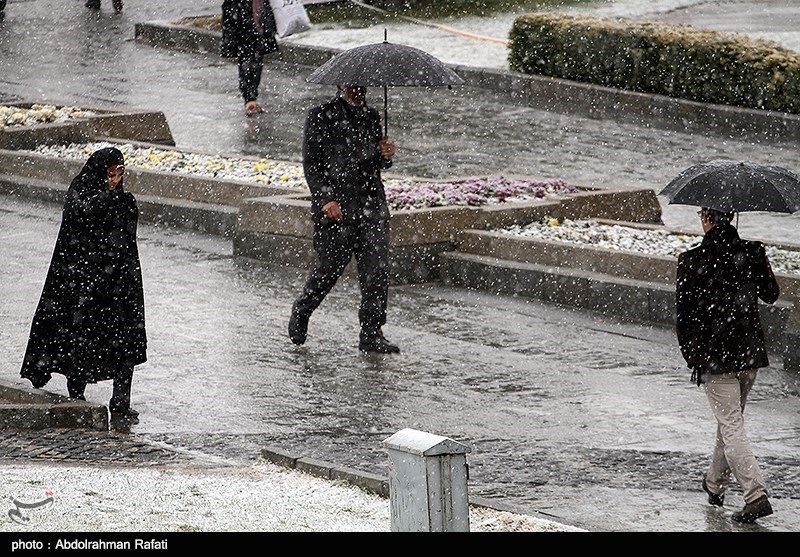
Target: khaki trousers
x,y
727,394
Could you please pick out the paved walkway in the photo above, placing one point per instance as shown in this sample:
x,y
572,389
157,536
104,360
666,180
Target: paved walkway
x,y
603,431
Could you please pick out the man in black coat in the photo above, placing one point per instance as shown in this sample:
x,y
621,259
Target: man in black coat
x,y
344,152
248,33
719,331
89,324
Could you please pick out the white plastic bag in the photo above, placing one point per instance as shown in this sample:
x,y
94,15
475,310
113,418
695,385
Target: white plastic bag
x,y
290,17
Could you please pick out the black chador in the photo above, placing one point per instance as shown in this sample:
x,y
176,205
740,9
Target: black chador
x,y
89,324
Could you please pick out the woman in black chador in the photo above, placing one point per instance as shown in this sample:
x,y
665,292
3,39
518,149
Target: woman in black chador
x,y
89,324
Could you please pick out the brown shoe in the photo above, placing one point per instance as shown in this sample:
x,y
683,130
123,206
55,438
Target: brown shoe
x,y
753,511
252,108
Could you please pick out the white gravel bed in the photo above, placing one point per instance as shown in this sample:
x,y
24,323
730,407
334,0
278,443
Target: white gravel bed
x,y
15,116
636,240
260,498
262,171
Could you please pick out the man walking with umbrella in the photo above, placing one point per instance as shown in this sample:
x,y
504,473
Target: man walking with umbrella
x,y
344,153
719,331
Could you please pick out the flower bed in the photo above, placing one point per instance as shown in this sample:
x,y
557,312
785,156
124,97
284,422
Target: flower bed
x,y
474,192
13,116
635,240
401,194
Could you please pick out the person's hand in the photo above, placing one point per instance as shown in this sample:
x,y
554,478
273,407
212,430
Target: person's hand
x,y
387,147
333,211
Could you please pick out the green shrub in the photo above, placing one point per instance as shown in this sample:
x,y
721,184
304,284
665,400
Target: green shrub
x,y
653,57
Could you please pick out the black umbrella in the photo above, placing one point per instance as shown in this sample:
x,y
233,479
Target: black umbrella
x,y
382,65
736,186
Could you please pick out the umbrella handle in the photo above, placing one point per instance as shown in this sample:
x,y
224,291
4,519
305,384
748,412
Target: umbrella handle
x,y
385,94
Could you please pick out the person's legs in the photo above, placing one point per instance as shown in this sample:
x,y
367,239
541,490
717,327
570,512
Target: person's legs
x,y
372,256
334,245
727,394
76,388
251,66
121,395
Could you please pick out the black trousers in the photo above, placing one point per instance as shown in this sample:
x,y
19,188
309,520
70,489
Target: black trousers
x,y
336,244
120,396
251,66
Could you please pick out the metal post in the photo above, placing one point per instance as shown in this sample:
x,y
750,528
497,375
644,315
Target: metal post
x,y
427,483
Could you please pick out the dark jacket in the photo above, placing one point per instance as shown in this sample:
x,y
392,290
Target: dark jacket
x,y
90,317
718,287
239,34
342,162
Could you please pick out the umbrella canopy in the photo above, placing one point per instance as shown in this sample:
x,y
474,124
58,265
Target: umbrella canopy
x,y
383,65
736,186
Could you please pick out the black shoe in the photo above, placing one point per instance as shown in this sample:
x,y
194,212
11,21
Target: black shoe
x,y
713,498
378,344
298,327
93,4
38,383
128,415
117,5
753,511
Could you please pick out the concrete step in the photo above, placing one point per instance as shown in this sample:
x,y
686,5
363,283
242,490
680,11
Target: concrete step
x,y
23,408
180,213
640,301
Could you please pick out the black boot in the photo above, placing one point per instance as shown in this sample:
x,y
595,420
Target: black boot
x,y
93,4
120,404
372,341
298,326
76,389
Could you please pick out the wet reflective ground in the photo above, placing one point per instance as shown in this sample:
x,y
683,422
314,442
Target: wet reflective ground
x,y
592,421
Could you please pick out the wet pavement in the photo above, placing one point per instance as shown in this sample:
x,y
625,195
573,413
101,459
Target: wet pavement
x,y
586,419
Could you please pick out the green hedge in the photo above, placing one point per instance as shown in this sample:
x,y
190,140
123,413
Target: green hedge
x,y
652,57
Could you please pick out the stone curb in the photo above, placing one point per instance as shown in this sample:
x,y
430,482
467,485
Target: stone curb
x,y
541,92
26,408
143,125
374,483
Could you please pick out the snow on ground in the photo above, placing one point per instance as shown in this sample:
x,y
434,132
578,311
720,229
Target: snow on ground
x,y
260,498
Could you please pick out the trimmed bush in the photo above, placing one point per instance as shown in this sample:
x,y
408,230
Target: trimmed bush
x,y
653,57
